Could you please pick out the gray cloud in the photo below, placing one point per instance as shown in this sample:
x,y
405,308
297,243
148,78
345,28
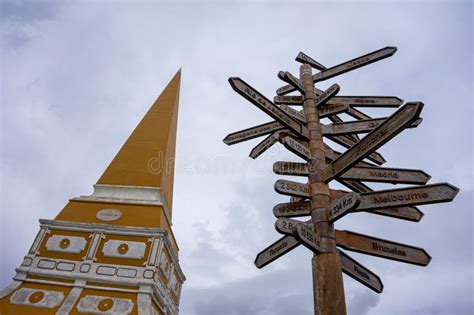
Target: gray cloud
x,y
77,78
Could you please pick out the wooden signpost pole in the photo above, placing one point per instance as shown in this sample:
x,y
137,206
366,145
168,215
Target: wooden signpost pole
x,y
328,288
302,134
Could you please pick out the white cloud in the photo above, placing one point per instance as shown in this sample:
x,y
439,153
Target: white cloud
x,y
77,77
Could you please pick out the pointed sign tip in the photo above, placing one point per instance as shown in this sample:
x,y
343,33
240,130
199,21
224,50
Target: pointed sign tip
x,y
393,48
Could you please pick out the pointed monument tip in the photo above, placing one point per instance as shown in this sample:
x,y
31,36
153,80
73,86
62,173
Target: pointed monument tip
x,y
137,162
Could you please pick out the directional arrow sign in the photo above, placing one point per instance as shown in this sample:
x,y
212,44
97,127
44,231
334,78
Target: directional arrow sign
x,y
292,209
410,196
358,126
332,155
357,114
343,205
288,99
368,101
290,168
404,213
358,272
294,113
326,95
387,175
286,226
292,80
347,142
357,101
296,147
304,58
289,188
276,250
251,133
267,106
264,145
327,110
345,67
337,120
375,139
382,248
308,238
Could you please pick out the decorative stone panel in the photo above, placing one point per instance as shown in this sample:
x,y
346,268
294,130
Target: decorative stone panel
x,y
66,244
124,249
38,298
104,305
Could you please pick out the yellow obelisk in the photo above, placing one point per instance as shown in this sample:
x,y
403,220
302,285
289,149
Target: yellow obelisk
x,y
113,251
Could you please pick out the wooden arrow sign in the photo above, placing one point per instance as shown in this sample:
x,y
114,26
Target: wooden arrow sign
x,y
368,101
290,188
357,114
404,213
290,168
286,226
375,139
337,120
332,155
386,175
296,147
288,99
328,110
357,101
343,205
382,248
292,80
360,126
418,195
326,95
308,238
348,142
252,133
294,113
276,250
264,145
358,272
345,67
292,209
256,98
304,58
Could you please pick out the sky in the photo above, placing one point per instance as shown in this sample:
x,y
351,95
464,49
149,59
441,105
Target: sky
x,y
76,78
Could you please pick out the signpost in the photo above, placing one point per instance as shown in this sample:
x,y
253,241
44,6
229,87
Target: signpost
x,y
308,238
382,248
303,58
289,188
292,209
342,205
302,132
360,273
345,67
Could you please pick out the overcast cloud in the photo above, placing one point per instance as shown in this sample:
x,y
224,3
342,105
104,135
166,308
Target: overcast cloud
x,y
76,77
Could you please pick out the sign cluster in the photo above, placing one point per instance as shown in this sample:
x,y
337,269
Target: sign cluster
x,y
359,164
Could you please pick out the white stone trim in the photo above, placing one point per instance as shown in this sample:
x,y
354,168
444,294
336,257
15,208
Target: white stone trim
x,y
17,281
117,230
72,298
36,244
144,304
141,195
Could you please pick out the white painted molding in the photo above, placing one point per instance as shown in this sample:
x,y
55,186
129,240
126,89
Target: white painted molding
x,y
129,195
